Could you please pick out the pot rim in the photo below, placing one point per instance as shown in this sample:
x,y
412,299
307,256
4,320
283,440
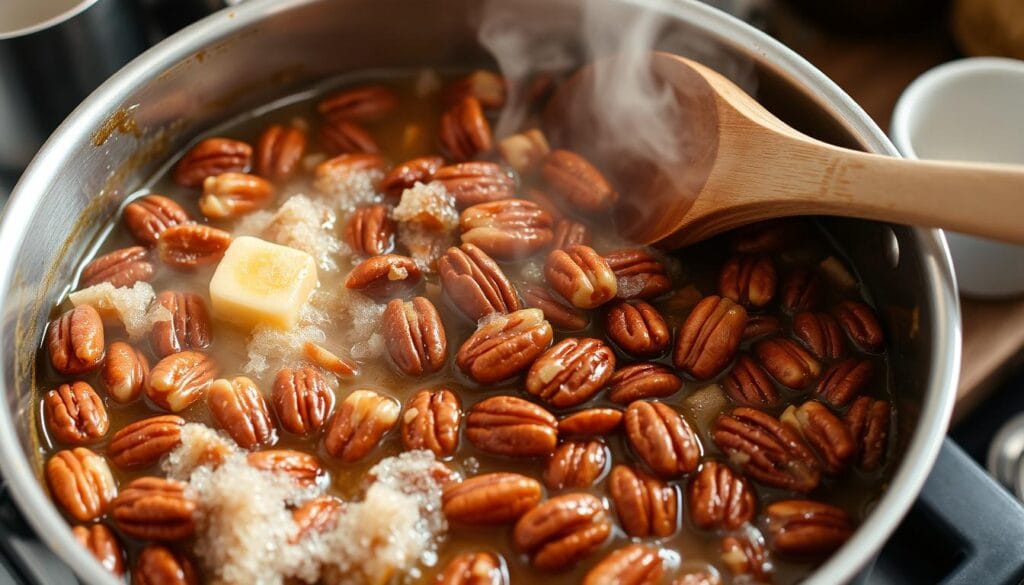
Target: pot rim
x,y
939,397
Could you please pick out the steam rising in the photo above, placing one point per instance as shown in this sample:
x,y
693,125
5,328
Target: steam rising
x,y
623,118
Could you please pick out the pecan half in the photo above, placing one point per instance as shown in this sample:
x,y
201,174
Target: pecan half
x,y
159,565
75,414
787,362
464,132
861,324
147,217
431,421
414,336
634,564
748,280
302,468
339,167
805,528
152,508
124,372
761,326
638,329
279,151
486,86
593,422
380,277
81,482
718,497
545,202
240,409
370,231
492,498
144,442
827,435
646,506
820,333
801,291
509,229
506,425
75,341
473,183
230,195
328,360
122,267
639,274
560,532
662,438
302,400
745,555
845,381
568,233
709,337
212,156
473,568
571,372
316,516
346,137
868,420
188,328
475,283
192,245
103,545
407,174
559,314
505,346
747,384
581,276
642,381
766,450
180,379
366,103
575,179
362,420
525,151
576,464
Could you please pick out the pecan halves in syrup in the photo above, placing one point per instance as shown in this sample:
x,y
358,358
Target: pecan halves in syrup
x,y
563,316
464,132
592,422
805,528
370,231
845,381
646,506
231,195
747,384
560,532
180,379
192,245
363,418
801,291
821,334
159,565
827,435
473,183
385,276
638,329
147,217
279,151
75,341
346,137
861,324
788,362
766,450
633,564
571,372
709,337
869,420
187,329
365,103
144,442
491,498
151,508
578,182
212,156
576,464
748,280
581,276
504,346
475,283
75,414
407,174
509,229
431,421
639,274
506,425
122,267
103,545
302,400
239,408
81,482
124,372
414,336
304,469
718,497
662,438
473,568
642,381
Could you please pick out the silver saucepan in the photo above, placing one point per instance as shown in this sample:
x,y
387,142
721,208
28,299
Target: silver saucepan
x,y
247,56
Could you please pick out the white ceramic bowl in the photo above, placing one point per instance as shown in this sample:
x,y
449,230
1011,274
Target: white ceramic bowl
x,y
969,110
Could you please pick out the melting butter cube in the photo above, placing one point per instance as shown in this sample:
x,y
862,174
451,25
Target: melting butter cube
x,y
258,282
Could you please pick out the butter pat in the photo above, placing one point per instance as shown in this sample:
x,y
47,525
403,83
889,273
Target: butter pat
x,y
258,282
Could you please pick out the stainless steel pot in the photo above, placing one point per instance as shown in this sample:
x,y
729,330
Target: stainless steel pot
x,y
262,49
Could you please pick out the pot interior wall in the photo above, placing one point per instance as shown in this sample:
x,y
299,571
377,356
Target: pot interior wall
x,y
299,44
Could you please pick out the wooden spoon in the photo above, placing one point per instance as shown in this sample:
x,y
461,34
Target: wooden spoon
x,y
742,164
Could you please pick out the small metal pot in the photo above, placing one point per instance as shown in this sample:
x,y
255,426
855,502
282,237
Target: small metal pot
x,y
243,57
